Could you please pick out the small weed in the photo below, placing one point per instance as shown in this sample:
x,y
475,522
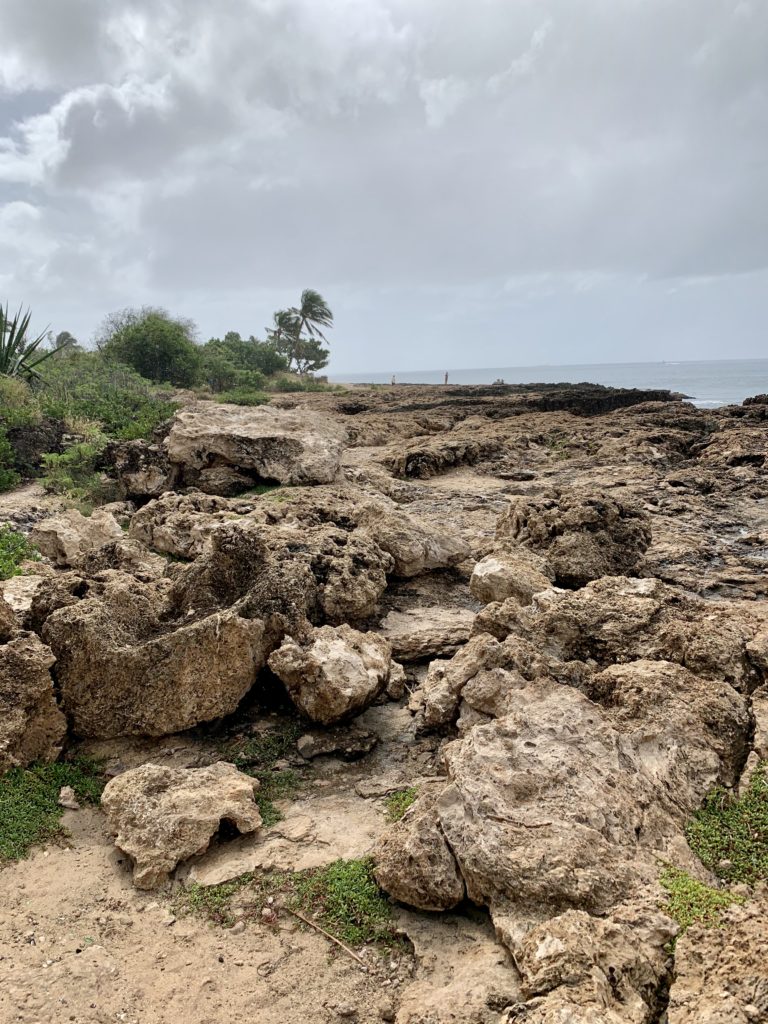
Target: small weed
x,y
398,803
345,899
14,549
693,902
29,802
731,836
258,755
260,489
210,901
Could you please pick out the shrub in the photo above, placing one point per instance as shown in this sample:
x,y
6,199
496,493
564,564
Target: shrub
x,y
83,386
243,396
731,836
18,404
9,478
76,473
14,549
156,345
346,900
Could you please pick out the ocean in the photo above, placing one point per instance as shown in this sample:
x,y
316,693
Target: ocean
x,y
709,383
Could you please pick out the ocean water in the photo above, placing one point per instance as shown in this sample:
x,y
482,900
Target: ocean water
x,y
709,383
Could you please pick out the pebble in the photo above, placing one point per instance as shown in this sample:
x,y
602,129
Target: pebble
x,y
386,1010
346,1010
237,928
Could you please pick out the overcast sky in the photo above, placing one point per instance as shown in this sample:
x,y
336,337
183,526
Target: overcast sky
x,y
495,183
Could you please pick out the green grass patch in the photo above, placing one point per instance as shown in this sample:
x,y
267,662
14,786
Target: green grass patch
x,y
345,900
29,802
730,836
691,901
398,803
282,785
242,396
258,755
14,549
210,901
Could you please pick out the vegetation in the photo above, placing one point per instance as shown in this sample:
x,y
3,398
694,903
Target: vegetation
x,y
258,755
75,473
296,332
14,549
211,901
398,803
345,899
29,802
20,355
9,478
692,902
730,836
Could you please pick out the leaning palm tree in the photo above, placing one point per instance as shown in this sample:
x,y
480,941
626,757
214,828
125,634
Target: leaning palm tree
x,y
312,314
19,355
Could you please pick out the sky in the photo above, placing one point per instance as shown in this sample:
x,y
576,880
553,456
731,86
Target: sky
x,y
495,183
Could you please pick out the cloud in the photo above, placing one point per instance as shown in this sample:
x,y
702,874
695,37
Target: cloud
x,y
213,156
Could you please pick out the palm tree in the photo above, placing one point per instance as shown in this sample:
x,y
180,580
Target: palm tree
x,y
19,356
312,314
309,317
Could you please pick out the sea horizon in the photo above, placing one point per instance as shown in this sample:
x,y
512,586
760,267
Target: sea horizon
x,y
708,383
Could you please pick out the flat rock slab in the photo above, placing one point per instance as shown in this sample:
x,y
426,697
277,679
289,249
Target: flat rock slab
x,y
287,446
421,633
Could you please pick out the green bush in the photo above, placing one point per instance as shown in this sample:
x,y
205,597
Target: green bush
x,y
18,405
242,396
9,478
397,803
14,549
731,836
156,345
76,474
86,386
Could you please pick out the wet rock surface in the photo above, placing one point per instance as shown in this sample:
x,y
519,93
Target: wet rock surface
x,y
574,580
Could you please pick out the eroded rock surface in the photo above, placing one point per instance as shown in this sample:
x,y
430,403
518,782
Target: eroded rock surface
x,y
69,536
161,816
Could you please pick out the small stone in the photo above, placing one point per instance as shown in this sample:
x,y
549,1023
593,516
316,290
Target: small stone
x,y
239,963
237,928
68,799
386,1010
346,1010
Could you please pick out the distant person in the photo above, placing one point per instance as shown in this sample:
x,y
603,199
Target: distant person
x,y
446,377
393,379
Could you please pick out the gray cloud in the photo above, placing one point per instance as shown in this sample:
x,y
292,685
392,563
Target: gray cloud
x,y
495,184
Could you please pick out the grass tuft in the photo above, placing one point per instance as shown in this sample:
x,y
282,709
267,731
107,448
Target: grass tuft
x,y
731,836
258,755
29,802
398,803
210,901
691,901
345,899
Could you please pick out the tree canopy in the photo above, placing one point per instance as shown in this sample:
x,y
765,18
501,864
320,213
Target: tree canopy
x,y
155,344
297,333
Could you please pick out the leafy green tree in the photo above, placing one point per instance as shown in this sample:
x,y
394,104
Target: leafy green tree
x,y
297,332
155,344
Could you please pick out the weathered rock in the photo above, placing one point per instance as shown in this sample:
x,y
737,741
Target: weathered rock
x,y
123,670
518,574
721,974
32,728
413,861
616,619
8,621
347,743
142,469
415,547
420,633
265,443
161,816
336,674
67,537
179,524
583,535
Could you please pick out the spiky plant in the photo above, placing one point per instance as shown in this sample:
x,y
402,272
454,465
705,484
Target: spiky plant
x,y
19,355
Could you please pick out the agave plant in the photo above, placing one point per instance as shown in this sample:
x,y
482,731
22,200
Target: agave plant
x,y
19,355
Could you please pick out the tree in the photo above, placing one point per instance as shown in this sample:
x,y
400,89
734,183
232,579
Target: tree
x,y
155,344
297,333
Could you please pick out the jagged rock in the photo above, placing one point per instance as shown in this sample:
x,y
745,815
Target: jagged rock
x,y
125,670
413,861
348,743
582,535
616,619
721,974
396,684
426,457
8,621
142,469
420,633
518,574
161,816
68,799
179,524
266,444
336,674
32,728
415,547
67,537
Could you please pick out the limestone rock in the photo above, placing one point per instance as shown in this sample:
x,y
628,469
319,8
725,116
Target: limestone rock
x,y
8,621
32,728
265,443
142,469
518,574
336,674
415,547
419,633
161,816
413,861
721,974
347,743
584,535
67,537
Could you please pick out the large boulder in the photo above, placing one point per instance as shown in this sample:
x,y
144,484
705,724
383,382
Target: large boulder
x,y
583,535
415,546
209,442
32,728
721,974
336,674
518,574
69,536
161,816
142,469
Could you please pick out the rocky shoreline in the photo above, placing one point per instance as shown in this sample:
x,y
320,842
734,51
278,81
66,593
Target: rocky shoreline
x,y
542,609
